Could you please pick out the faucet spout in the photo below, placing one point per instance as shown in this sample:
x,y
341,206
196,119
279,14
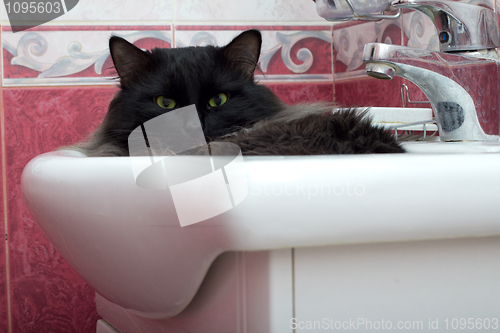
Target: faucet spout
x,y
462,89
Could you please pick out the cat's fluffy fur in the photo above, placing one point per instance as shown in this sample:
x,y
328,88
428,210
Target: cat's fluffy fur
x,y
343,132
193,75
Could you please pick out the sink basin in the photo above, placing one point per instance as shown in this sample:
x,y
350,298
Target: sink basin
x,y
438,147
127,243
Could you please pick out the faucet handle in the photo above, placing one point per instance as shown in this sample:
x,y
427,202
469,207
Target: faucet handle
x,y
461,26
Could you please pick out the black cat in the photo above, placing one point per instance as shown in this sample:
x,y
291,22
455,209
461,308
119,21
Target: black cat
x,y
231,106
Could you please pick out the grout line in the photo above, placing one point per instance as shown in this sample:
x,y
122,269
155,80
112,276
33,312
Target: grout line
x,y
402,30
4,192
332,55
244,292
293,285
174,11
173,23
94,23
325,24
402,43
238,296
174,43
1,64
115,85
144,23
63,86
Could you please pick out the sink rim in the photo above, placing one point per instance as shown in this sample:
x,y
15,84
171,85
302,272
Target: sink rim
x,y
399,203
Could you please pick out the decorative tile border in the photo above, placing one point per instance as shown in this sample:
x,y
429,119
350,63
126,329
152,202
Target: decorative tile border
x,y
71,54
77,55
289,53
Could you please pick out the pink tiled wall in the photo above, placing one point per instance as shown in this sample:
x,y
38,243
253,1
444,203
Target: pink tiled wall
x,y
57,85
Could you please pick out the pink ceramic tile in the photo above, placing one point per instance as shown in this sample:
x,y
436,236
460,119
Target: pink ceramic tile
x,y
3,266
288,52
70,54
46,293
3,293
369,92
247,11
293,93
481,82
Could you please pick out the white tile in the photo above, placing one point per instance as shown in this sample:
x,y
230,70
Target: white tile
x,y
247,11
113,11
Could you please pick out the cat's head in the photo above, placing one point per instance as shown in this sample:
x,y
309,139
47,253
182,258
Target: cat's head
x,y
218,80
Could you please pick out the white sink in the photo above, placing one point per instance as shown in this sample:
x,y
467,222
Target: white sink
x,y
438,147
127,243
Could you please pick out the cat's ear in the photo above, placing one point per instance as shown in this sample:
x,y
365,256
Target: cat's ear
x,y
244,51
129,60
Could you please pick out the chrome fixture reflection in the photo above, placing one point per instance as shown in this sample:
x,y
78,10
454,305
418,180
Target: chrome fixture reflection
x,y
352,10
460,26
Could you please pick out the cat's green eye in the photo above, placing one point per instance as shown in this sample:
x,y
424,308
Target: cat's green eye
x,y
165,102
218,100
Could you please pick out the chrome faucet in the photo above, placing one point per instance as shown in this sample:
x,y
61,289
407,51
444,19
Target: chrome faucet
x,y
461,26
462,86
